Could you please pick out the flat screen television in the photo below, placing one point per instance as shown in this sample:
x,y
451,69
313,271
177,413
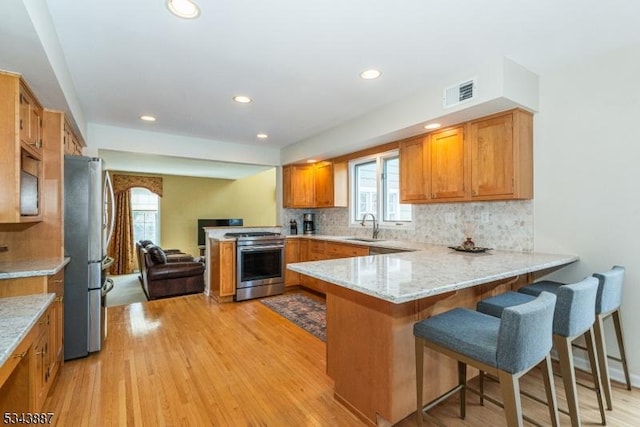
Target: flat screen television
x,y
226,222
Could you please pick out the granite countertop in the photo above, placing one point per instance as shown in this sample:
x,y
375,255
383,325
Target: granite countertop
x,y
17,317
429,270
41,267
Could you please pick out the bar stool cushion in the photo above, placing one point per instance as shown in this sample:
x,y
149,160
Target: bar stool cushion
x,y
609,289
464,331
543,285
495,305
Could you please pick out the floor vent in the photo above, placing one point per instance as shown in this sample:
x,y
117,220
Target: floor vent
x,y
458,93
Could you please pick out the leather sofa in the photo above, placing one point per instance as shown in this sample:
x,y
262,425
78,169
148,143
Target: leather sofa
x,y
172,255
161,278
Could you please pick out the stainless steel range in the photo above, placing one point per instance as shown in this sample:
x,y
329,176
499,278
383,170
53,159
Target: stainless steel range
x,y
260,264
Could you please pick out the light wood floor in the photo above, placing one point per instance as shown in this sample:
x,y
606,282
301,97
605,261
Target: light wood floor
x,y
189,361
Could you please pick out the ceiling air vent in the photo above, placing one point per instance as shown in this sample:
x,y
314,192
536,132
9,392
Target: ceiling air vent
x,y
454,95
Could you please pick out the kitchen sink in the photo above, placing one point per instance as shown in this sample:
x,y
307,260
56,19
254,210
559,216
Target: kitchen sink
x,y
364,239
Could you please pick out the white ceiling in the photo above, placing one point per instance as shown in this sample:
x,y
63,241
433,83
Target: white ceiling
x,y
300,61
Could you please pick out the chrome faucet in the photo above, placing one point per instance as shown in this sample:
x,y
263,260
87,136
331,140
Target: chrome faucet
x,y
376,227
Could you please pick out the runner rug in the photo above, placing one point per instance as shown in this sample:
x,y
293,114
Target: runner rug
x,y
309,314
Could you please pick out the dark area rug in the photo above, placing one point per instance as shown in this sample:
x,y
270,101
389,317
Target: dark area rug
x,y
309,314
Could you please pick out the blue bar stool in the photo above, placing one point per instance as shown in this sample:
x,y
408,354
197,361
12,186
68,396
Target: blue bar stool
x,y
574,316
507,348
608,301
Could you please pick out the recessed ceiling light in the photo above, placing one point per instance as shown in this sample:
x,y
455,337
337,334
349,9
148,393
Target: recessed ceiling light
x,y
242,99
370,74
148,118
184,8
432,126
262,136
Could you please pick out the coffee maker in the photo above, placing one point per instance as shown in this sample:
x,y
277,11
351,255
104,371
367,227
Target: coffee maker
x,y
308,223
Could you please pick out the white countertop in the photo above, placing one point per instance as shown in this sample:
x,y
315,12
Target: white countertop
x,y
429,271
40,267
17,317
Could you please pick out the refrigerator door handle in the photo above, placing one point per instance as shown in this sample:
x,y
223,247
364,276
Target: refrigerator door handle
x,y
95,275
109,208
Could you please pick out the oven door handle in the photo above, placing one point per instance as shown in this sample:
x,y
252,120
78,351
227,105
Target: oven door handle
x,y
260,248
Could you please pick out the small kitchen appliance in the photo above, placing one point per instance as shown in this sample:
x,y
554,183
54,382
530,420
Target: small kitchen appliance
x,y
308,223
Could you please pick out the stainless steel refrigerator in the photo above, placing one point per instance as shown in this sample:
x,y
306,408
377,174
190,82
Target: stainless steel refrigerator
x,y
86,235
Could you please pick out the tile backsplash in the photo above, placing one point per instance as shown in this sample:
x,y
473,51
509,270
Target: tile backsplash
x,y
500,225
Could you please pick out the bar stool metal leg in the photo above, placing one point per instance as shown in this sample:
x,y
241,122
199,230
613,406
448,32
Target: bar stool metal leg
x,y
617,323
595,371
550,391
419,378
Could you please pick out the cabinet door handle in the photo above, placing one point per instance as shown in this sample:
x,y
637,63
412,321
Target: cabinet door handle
x,y
19,355
20,124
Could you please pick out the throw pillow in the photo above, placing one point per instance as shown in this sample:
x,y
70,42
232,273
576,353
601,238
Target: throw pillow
x,y
157,255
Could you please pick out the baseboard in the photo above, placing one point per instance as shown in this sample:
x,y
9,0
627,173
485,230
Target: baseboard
x,y
615,372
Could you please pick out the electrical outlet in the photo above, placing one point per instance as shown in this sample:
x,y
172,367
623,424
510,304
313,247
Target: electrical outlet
x,y
450,218
485,217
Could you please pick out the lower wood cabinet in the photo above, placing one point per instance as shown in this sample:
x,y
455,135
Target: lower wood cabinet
x,y
291,255
26,376
55,359
316,250
222,261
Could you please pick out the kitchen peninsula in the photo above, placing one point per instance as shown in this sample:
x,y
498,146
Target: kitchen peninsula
x,y
373,302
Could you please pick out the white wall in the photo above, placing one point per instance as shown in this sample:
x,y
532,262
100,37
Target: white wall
x,y
502,84
587,176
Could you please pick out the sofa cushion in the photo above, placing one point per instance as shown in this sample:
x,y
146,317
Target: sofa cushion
x,y
157,255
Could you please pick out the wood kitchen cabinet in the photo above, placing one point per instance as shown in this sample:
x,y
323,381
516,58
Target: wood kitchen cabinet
x,y
46,342
55,359
299,186
291,255
432,167
26,378
30,121
413,183
222,263
21,147
318,250
485,159
323,184
331,184
40,356
72,142
502,156
334,250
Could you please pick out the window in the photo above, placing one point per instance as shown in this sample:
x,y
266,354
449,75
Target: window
x,y
144,209
376,189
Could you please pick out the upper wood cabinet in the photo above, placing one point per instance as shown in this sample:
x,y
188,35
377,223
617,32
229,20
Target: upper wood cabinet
x,y
299,186
72,143
432,167
20,152
413,182
446,164
323,184
486,159
502,156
